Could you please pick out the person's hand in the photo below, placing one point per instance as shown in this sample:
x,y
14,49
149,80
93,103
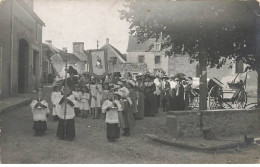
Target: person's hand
x,y
115,105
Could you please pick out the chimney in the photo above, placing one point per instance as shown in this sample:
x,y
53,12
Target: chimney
x,y
107,41
49,42
78,47
65,49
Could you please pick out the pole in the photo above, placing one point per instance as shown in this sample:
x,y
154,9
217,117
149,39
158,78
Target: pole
x,y
65,108
97,43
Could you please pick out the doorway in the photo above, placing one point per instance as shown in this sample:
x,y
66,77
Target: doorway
x,y
23,66
36,67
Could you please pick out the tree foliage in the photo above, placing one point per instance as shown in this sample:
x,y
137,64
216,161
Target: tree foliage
x,y
225,28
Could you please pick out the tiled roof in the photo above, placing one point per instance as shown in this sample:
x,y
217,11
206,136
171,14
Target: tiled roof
x,y
116,52
69,57
81,56
134,46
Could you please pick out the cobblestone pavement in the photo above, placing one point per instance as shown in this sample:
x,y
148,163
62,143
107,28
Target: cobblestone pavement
x,y
90,146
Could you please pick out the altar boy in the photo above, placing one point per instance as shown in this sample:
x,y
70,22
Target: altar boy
x,y
40,112
66,126
111,107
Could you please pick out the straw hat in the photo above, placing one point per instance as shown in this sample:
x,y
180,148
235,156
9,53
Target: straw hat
x,y
131,82
125,92
118,93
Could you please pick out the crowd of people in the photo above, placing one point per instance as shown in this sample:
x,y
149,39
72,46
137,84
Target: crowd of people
x,y
120,101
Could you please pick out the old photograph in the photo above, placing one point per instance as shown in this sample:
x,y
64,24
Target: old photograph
x,y
129,81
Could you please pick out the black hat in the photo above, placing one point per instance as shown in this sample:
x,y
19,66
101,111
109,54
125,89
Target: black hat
x,y
165,77
72,70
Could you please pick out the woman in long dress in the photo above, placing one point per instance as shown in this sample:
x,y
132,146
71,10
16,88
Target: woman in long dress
x,y
180,95
133,94
129,120
140,89
150,101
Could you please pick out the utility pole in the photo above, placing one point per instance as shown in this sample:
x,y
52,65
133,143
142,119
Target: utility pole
x,y
97,43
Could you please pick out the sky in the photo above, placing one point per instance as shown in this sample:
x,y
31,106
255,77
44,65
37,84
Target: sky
x,y
87,21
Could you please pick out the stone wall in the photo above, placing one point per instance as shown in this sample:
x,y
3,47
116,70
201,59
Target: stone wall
x,y
220,122
130,67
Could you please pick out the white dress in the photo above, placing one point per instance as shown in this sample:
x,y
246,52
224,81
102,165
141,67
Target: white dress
x,y
85,101
55,97
96,91
77,96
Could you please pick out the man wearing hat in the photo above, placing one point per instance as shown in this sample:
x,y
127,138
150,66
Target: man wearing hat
x,y
179,94
72,80
165,93
85,79
172,93
157,82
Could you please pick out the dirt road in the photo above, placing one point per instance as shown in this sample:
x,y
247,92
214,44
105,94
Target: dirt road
x,y
90,146
20,146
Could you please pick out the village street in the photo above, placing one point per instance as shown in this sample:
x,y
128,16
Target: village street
x,y
18,145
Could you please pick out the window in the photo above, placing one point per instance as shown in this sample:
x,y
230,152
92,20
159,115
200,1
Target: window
x,y
157,60
140,58
157,46
113,60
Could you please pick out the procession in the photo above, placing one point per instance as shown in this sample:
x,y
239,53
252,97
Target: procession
x,y
129,81
119,100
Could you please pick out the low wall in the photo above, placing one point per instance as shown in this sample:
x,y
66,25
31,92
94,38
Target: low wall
x,y
220,122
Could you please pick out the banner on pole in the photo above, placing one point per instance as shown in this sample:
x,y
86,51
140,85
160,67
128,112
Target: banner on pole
x,y
98,64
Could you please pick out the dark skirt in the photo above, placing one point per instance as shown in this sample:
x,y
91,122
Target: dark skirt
x,y
113,131
140,113
70,129
180,103
40,125
150,103
173,100
77,111
165,101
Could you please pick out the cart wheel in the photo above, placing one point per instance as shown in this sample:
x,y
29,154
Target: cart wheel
x,y
241,100
215,97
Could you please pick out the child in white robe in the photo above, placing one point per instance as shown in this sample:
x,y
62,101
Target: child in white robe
x,y
111,107
40,113
66,126
55,96
77,95
85,102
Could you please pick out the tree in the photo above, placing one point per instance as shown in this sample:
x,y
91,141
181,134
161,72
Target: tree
x,y
209,31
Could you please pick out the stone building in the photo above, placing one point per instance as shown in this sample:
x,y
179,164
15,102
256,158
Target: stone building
x,y
78,50
57,59
148,52
20,47
115,57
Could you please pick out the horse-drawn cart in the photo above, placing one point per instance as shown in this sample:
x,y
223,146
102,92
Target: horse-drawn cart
x,y
220,95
